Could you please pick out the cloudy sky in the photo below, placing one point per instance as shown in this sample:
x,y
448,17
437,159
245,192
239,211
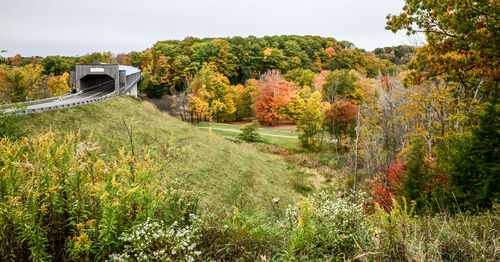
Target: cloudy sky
x,y
68,27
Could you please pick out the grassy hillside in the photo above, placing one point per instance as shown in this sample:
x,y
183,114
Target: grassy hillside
x,y
224,173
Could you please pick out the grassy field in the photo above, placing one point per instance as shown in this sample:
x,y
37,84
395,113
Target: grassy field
x,y
224,173
261,129
273,140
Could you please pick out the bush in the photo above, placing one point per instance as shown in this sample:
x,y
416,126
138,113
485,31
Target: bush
x,y
327,225
60,200
154,241
401,236
8,121
236,236
250,133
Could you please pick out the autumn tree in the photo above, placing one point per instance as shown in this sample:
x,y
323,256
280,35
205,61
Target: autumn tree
x,y
295,107
245,99
318,82
273,95
339,84
386,186
12,84
392,120
311,122
121,59
462,42
340,119
58,85
213,89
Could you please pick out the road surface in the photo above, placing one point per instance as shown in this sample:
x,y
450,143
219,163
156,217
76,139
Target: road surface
x,y
94,93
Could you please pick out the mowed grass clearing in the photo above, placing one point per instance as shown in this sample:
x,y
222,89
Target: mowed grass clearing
x,y
289,140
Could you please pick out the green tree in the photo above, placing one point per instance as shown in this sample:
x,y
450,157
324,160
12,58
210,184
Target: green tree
x,y
152,90
417,181
249,132
339,83
56,65
475,162
135,59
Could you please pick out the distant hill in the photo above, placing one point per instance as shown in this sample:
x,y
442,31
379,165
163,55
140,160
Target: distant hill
x,y
399,55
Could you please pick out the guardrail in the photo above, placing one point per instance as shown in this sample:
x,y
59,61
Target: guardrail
x,y
66,105
61,97
45,100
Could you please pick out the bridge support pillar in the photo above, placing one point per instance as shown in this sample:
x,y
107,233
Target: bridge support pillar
x,y
133,90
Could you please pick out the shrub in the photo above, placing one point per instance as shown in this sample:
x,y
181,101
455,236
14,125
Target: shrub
x,y
60,200
385,186
8,121
237,236
250,133
327,225
401,236
154,241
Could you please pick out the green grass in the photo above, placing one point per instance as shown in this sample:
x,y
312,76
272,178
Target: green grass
x,y
260,129
273,140
224,173
279,141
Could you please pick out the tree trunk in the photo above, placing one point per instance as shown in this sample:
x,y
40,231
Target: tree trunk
x,y
356,152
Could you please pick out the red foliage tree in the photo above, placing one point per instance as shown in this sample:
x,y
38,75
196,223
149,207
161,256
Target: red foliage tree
x,y
386,185
341,118
273,94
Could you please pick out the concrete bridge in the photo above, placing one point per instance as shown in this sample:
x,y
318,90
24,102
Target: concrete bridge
x,y
89,83
123,78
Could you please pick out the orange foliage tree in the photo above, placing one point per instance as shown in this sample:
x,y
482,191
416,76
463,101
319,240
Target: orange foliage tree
x,y
319,81
273,94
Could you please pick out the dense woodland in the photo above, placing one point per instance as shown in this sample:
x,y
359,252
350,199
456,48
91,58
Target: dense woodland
x,y
417,128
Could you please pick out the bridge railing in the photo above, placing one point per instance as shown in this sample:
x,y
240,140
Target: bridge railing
x,y
45,100
63,105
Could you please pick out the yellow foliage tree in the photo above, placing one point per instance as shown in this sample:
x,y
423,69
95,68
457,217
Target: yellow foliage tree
x,y
58,85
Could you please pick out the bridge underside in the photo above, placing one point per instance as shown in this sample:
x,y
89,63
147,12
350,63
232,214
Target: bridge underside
x,y
89,82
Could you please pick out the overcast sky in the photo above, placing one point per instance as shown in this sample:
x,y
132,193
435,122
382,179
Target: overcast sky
x,y
68,27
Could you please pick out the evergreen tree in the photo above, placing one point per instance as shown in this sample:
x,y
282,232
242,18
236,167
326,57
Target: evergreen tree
x,y
250,133
475,162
